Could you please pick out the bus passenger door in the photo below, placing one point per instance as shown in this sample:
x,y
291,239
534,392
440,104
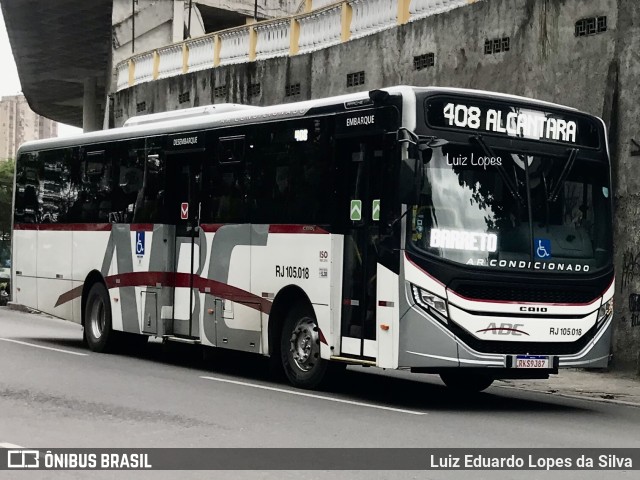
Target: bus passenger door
x,y
359,164
238,316
184,175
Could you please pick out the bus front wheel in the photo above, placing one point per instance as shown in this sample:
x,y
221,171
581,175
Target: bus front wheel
x,y
464,382
97,319
300,348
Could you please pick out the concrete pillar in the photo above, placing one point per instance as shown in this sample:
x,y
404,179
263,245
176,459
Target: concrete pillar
x,y
89,105
253,43
294,37
346,14
177,33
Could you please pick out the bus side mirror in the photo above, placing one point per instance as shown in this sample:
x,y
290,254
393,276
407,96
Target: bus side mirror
x,y
411,175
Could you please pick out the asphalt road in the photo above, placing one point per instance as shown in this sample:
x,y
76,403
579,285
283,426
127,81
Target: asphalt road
x,y
63,395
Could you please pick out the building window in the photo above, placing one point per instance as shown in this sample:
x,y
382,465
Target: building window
x,y
591,26
141,107
291,90
253,90
355,79
497,45
184,97
220,91
424,61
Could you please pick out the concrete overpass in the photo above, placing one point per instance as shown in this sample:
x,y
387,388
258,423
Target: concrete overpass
x,y
64,49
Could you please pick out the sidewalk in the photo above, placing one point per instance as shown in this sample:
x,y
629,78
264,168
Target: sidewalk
x,y
612,387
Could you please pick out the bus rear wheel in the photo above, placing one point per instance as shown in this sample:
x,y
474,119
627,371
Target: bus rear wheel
x,y
300,348
464,382
97,319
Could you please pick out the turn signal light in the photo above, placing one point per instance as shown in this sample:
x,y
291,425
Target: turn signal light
x,y
384,327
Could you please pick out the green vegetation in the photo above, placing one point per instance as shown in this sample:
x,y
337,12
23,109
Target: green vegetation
x,y
6,196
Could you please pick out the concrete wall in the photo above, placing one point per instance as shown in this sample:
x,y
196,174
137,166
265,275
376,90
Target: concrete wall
x,y
624,90
596,73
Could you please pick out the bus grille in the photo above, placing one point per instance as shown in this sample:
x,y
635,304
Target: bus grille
x,y
524,293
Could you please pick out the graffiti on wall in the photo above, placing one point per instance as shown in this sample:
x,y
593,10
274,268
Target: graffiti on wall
x,y
630,267
634,308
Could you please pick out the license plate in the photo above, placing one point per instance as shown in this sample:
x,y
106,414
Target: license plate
x,y
532,361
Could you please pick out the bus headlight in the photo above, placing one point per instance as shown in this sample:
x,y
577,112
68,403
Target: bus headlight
x,y
431,303
604,312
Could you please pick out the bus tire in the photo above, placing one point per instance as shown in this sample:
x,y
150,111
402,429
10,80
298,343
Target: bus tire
x,y
463,382
97,319
300,348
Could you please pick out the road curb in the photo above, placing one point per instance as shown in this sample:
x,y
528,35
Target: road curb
x,y
573,396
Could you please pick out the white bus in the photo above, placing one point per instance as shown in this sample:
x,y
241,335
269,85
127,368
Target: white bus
x,y
456,232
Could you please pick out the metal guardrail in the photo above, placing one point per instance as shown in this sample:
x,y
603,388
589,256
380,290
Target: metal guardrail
x,y
324,23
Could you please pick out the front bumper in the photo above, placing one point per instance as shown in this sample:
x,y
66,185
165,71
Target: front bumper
x,y
426,344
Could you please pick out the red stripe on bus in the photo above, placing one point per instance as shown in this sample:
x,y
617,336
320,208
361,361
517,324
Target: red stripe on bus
x,y
65,227
139,227
139,279
296,229
422,270
509,302
178,280
80,227
68,296
321,337
25,226
75,227
496,329
211,227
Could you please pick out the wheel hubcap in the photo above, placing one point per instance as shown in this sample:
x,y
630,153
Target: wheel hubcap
x,y
305,344
97,318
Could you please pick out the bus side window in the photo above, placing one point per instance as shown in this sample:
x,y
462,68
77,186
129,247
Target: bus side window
x,y
290,173
150,199
231,202
231,181
210,196
130,158
28,188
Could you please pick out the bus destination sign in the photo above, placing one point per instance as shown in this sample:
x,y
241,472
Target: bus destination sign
x,y
502,118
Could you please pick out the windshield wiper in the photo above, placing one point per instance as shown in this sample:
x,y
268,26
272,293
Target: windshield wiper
x,y
553,196
513,189
546,204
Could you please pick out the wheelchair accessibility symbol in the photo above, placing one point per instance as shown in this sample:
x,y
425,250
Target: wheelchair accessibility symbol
x,y
543,247
140,244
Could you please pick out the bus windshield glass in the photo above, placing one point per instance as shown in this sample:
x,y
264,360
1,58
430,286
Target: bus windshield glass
x,y
514,211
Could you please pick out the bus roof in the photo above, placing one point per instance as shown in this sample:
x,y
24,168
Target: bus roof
x,y
162,123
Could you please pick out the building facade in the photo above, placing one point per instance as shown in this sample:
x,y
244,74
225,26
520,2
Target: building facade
x,y
19,124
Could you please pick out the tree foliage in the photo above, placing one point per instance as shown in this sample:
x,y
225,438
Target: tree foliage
x,y
6,196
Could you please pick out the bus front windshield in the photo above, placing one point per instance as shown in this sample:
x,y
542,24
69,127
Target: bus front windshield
x,y
514,211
